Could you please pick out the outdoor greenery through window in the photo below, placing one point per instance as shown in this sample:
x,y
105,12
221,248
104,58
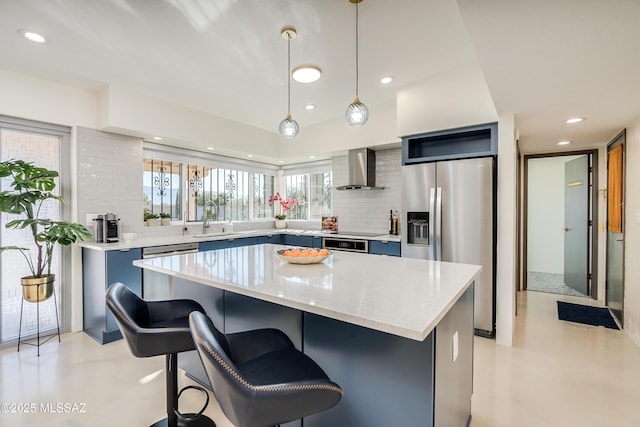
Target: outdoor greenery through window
x,y
161,181
312,193
188,191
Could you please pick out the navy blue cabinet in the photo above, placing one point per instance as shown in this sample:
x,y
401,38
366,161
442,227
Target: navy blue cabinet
x,y
305,241
276,239
383,247
99,270
227,243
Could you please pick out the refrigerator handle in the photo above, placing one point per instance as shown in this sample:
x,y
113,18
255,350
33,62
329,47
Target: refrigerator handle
x,y
432,234
438,225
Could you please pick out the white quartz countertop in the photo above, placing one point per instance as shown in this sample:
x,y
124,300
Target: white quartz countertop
x,y
144,242
401,296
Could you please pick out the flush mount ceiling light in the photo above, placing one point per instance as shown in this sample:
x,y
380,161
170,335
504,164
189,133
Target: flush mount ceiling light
x,y
357,113
306,74
564,142
288,127
574,120
33,36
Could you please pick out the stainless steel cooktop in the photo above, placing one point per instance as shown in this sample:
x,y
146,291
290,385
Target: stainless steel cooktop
x,y
360,233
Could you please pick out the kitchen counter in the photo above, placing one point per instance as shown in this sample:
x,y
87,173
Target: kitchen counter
x,y
387,329
402,296
143,242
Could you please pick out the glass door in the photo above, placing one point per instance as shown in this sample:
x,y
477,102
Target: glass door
x,y
43,148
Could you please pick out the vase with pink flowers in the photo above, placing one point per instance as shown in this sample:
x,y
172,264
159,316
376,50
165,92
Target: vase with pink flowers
x,y
285,205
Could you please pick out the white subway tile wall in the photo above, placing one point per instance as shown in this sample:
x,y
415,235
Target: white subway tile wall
x,y
44,151
110,177
368,210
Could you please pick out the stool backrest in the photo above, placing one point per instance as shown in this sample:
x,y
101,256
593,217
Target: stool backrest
x,y
234,394
131,313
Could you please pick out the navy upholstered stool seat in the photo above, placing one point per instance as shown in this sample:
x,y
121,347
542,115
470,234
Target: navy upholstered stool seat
x,y
154,328
259,378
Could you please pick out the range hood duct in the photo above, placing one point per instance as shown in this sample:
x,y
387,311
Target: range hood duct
x,y
362,170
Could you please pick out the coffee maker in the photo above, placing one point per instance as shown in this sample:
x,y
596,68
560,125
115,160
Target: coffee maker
x,y
106,228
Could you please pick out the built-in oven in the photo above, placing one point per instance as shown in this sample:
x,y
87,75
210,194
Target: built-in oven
x,y
346,244
158,286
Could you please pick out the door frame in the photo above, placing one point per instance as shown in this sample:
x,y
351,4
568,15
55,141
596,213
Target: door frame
x,y
619,139
65,294
593,204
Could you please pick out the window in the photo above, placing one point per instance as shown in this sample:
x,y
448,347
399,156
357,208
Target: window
x,y
312,193
223,194
192,186
161,182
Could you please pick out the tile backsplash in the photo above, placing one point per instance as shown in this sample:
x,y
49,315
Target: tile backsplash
x,y
368,210
110,177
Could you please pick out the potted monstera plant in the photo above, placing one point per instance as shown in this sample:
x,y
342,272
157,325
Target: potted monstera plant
x,y
30,187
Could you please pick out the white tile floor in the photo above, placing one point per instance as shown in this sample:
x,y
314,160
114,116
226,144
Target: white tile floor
x,y
556,374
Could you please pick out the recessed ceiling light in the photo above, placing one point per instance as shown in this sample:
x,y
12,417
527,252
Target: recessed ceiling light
x,y
306,74
574,120
33,36
386,80
280,161
312,157
210,148
564,142
157,138
309,107
249,155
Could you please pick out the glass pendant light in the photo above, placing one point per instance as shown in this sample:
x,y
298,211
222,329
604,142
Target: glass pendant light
x,y
357,113
288,127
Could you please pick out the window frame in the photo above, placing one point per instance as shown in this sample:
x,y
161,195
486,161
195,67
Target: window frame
x,y
214,162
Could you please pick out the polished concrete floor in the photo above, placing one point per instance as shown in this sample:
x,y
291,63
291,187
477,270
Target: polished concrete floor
x,y
556,374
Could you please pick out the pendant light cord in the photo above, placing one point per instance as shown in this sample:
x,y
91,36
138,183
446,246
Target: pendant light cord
x,y
357,56
289,74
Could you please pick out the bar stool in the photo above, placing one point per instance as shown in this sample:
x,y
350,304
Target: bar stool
x,y
258,377
153,328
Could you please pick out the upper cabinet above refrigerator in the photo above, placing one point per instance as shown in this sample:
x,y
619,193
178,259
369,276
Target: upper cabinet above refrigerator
x,y
450,144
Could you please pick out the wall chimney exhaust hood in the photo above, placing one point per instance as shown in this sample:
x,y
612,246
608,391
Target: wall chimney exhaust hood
x,y
362,170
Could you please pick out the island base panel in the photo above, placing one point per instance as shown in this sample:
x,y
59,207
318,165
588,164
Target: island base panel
x,y
387,380
454,364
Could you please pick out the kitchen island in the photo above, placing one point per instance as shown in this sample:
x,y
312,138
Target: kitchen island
x,y
395,333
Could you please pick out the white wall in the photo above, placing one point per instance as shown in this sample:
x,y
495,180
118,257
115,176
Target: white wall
x,y
132,113
449,100
545,215
506,249
37,99
632,234
337,135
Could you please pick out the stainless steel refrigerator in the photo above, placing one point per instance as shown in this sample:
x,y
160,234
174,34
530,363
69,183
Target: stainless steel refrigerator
x,y
448,209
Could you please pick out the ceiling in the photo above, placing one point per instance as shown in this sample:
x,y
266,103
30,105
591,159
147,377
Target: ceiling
x,y
543,61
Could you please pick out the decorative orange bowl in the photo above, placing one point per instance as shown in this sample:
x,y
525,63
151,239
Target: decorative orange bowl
x,y
303,255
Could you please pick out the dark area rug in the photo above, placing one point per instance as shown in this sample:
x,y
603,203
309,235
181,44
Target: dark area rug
x,y
596,316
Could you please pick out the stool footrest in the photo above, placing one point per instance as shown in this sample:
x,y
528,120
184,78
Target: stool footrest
x,y
189,417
